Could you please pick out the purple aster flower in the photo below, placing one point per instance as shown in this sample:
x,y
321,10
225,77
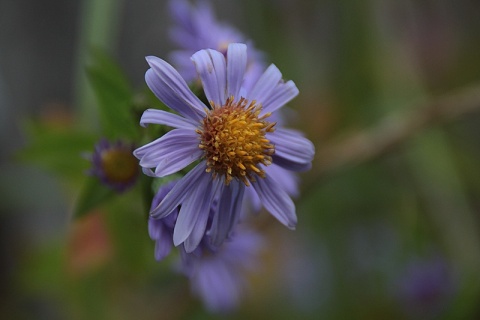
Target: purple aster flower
x,y
197,28
231,138
218,275
114,164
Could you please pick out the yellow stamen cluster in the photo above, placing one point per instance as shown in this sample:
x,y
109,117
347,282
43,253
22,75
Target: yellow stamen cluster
x,y
233,139
119,165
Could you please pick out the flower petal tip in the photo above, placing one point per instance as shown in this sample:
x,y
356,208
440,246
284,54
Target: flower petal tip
x,y
150,58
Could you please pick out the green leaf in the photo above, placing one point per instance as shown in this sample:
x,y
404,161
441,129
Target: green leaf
x,y
114,97
93,194
59,150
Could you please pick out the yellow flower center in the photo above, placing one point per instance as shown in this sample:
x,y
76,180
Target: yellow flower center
x,y
233,139
120,166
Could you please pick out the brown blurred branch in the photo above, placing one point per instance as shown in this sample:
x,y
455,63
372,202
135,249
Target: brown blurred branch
x,y
394,130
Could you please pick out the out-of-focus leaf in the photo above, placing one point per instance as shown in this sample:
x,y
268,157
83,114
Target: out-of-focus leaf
x,y
129,227
114,96
94,193
42,271
57,149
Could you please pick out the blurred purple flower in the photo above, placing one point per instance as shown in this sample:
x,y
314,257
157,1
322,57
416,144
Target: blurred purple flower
x,y
218,275
232,139
426,287
114,164
197,28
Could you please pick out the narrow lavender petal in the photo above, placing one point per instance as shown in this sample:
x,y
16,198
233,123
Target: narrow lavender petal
x,y
163,247
187,217
291,165
254,72
148,172
171,138
228,212
211,67
265,84
193,240
166,118
170,153
236,65
287,179
198,232
252,201
177,161
171,89
196,204
154,229
276,201
281,95
178,192
292,150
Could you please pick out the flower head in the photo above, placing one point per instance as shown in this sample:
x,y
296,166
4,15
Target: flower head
x,y
114,164
231,139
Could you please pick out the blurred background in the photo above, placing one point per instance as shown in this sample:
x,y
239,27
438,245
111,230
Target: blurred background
x,y
389,216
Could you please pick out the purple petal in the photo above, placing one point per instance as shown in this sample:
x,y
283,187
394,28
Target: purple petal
x,y
163,247
265,85
281,95
180,12
198,232
166,118
171,89
195,207
170,153
155,229
285,178
179,192
193,240
217,285
276,201
163,238
228,212
292,150
148,172
211,67
254,71
236,65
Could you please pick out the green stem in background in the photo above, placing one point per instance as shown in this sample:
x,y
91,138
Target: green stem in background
x,y
98,28
394,130
430,157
